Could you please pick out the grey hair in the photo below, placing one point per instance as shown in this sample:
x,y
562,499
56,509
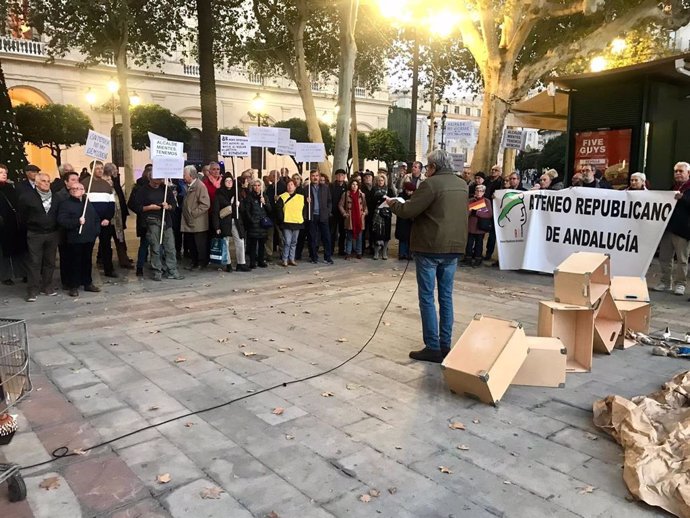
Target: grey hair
x,y
109,169
440,158
551,173
257,182
684,165
641,176
191,170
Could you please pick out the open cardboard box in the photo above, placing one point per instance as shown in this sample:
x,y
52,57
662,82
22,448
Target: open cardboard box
x,y
636,316
608,325
545,365
486,358
629,288
574,325
582,279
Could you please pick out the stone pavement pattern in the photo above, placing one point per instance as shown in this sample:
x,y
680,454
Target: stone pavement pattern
x,y
140,352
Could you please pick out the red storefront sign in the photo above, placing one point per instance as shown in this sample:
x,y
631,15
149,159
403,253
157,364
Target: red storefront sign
x,y
607,151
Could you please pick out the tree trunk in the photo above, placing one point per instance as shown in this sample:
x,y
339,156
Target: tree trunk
x,y
494,111
57,155
207,82
303,81
412,143
121,64
353,132
348,54
432,116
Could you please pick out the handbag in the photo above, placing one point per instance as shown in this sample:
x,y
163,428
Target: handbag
x,y
225,212
219,251
487,225
266,222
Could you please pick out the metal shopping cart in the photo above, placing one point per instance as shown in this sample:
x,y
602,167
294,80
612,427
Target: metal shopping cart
x,y
14,385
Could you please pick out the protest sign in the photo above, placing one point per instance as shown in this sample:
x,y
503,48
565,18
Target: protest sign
x,y
231,145
287,149
308,152
260,136
97,145
512,139
166,149
537,230
459,160
459,130
167,157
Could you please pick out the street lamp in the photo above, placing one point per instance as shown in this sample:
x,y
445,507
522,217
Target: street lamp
x,y
444,116
257,106
135,100
90,97
598,64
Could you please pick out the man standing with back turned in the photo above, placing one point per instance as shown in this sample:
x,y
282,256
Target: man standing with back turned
x,y
437,240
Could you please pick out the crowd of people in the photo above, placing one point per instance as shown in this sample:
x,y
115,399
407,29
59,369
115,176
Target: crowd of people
x,y
242,224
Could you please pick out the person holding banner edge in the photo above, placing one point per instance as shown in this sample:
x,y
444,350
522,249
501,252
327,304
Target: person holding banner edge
x,y
227,223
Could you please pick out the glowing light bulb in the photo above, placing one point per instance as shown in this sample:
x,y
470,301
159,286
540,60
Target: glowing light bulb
x,y
598,64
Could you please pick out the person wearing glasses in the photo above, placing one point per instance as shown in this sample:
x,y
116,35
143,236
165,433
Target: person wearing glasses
x,y
80,236
676,238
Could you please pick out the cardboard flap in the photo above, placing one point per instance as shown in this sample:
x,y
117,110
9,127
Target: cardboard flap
x,y
630,289
608,325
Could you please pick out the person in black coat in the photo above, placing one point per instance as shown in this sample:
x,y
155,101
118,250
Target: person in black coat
x,y
12,234
254,208
337,223
381,222
403,227
141,220
80,235
38,209
227,223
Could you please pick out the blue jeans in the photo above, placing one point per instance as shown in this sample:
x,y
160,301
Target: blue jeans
x,y
290,244
143,252
404,249
351,243
432,269
319,231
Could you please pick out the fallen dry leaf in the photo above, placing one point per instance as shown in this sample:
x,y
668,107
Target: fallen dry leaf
x,y
398,447
278,410
365,498
154,407
248,353
180,359
211,493
50,483
163,478
374,492
251,318
222,340
79,451
289,437
189,424
155,331
445,470
392,490
456,425
327,394
272,514
386,323
507,482
462,447
281,350
586,489
341,340
591,436
476,421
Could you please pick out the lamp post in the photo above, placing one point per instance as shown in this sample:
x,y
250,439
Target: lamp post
x,y
444,116
257,106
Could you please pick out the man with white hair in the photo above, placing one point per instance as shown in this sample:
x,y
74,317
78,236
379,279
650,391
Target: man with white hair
x,y
195,217
438,238
676,238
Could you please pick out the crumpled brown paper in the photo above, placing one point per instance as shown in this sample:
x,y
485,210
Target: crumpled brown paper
x,y
654,430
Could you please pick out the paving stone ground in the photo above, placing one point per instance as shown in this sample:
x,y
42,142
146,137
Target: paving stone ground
x,y
141,352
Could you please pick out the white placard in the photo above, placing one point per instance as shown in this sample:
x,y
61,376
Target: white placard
x,y
513,139
283,136
167,167
97,145
459,160
153,136
263,137
287,149
231,145
310,152
537,230
456,130
167,149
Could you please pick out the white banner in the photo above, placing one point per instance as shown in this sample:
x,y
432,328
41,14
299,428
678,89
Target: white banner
x,y
537,230
260,136
97,145
308,152
231,145
283,136
287,148
459,129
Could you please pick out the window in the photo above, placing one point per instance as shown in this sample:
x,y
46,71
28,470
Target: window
x,y
468,111
456,110
445,108
195,151
479,112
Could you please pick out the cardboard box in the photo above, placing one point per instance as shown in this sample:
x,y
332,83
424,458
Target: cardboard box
x,y
545,365
636,316
629,288
608,325
582,279
574,325
486,358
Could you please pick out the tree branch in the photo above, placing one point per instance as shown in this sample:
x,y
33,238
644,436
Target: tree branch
x,y
487,23
472,39
521,33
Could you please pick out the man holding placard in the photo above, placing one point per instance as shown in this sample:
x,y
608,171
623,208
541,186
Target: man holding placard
x,y
102,196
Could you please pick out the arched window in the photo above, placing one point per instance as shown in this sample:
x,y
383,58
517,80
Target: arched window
x,y
195,151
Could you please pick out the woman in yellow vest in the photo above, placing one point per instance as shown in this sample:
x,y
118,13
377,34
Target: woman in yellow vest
x,y
290,207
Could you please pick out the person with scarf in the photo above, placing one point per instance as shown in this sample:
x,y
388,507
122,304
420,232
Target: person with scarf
x,y
12,233
290,210
38,210
381,223
227,223
353,208
256,209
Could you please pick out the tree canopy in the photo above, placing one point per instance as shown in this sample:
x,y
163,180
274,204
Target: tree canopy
x,y
158,120
53,126
385,146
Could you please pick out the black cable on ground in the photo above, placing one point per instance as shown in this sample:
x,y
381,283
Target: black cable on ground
x,y
63,451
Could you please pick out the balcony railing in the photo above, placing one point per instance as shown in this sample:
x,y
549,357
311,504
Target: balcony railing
x,y
191,70
360,91
24,47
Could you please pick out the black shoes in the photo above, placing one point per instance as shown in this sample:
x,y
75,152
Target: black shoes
x,y
92,288
243,268
263,265
140,272
427,355
228,268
